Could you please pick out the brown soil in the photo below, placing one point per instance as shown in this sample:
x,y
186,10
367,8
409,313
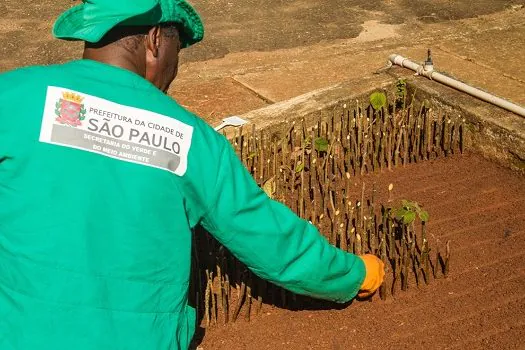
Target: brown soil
x,y
475,204
242,26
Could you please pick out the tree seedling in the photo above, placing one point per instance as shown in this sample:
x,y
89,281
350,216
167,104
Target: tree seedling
x,y
408,211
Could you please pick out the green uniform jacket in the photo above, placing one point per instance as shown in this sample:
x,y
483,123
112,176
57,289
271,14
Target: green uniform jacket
x,y
102,179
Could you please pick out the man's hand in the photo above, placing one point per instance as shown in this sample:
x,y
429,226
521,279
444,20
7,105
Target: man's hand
x,y
375,273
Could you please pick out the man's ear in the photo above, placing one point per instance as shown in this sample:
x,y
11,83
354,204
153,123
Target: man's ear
x,y
153,39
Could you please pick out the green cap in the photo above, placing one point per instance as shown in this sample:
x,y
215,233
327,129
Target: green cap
x,y
92,19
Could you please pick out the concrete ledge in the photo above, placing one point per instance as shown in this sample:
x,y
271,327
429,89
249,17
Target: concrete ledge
x,y
273,117
496,134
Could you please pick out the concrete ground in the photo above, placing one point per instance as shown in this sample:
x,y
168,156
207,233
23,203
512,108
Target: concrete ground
x,y
257,52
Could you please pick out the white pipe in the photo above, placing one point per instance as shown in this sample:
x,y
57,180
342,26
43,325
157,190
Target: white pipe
x,y
432,75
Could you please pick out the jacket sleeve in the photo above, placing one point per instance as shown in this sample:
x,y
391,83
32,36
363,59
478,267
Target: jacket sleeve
x,y
273,241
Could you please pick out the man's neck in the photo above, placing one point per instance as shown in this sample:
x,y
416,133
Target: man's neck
x,y
115,57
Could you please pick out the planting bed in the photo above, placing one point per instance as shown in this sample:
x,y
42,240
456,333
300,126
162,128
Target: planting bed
x,y
367,176
475,204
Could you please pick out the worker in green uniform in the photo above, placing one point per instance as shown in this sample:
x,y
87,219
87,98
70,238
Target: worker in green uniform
x,y
102,179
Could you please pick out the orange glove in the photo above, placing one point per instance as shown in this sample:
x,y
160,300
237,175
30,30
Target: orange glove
x,y
375,273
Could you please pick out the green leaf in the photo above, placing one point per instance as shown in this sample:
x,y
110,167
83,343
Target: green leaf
x,y
269,187
299,167
378,100
252,155
423,215
321,144
401,87
409,217
400,213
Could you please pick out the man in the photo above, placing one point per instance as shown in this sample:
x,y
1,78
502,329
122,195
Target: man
x,y
103,177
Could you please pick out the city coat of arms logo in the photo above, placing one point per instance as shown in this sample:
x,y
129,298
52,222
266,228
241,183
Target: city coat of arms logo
x,y
70,110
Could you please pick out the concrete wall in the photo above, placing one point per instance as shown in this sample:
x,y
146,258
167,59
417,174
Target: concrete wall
x,y
491,131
